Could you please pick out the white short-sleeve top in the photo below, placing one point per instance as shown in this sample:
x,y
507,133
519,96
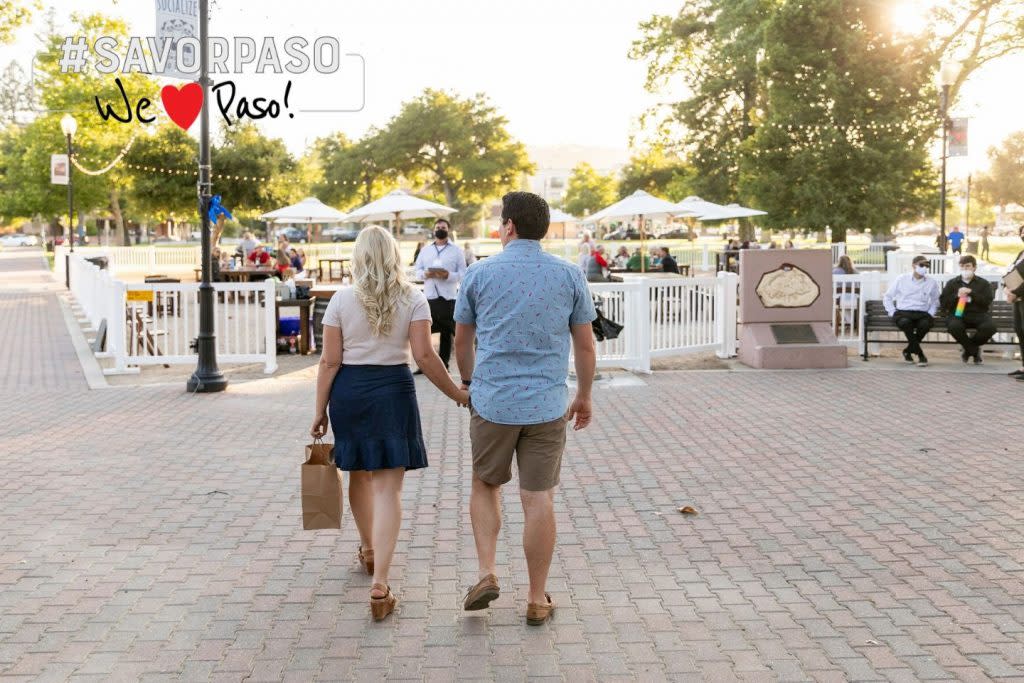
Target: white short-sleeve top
x,y
359,345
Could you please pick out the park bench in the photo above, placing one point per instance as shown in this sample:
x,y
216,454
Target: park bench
x,y
876,320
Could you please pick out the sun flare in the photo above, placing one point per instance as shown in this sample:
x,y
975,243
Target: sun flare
x,y
909,17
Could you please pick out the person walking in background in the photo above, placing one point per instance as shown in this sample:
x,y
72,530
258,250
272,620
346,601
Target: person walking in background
x,y
912,301
470,254
441,266
956,239
364,384
984,243
416,253
524,308
248,244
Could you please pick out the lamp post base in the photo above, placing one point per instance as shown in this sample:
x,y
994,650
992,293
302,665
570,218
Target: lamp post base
x,y
206,383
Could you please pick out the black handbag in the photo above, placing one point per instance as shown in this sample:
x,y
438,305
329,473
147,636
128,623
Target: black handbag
x,y
604,328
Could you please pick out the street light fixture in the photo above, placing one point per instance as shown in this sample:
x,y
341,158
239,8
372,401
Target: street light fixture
x,y
948,72
69,126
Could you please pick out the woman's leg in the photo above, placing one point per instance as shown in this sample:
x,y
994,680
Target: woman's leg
x,y
360,499
387,520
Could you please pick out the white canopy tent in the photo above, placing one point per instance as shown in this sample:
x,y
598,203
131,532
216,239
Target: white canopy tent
x,y
398,205
730,211
641,205
309,210
694,207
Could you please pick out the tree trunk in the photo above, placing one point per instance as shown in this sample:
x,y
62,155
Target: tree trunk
x,y
746,230
115,208
218,230
838,234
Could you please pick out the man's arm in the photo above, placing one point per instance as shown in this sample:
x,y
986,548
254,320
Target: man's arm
x,y
948,298
888,299
585,357
465,351
983,293
933,304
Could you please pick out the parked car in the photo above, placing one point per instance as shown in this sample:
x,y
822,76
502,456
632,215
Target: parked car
x,y
293,234
678,234
626,234
18,239
341,234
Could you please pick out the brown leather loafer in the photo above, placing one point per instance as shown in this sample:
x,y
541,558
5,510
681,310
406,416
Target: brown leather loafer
x,y
482,594
537,614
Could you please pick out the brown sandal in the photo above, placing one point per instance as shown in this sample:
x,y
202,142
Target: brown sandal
x,y
366,559
383,606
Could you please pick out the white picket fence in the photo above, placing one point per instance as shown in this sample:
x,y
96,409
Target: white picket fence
x,y
156,323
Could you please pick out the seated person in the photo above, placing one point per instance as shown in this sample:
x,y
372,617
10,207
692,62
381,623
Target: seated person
x,y
668,264
912,301
975,315
597,265
296,260
655,257
633,265
622,258
259,257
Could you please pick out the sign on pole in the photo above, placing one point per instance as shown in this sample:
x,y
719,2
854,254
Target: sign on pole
x,y
59,169
177,19
957,138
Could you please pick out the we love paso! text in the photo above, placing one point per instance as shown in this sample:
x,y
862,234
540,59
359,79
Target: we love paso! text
x,y
184,104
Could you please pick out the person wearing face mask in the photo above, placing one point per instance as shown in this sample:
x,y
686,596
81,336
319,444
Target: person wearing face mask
x,y
441,266
979,295
912,301
1016,297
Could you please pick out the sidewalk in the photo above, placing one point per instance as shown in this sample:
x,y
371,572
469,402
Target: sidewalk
x,y
852,527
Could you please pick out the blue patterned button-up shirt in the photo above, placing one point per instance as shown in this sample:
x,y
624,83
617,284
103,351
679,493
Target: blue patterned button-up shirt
x,y
523,302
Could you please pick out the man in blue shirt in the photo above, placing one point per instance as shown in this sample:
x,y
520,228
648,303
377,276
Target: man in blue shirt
x,y
956,238
524,308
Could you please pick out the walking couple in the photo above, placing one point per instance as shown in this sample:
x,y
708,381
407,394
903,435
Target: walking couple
x,y
516,316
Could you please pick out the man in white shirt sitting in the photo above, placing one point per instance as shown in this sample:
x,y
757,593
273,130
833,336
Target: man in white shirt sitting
x,y
441,266
912,301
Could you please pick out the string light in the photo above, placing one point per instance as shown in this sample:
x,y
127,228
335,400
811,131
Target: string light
x,y
117,159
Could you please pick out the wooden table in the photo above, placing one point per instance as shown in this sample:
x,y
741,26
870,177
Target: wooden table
x,y
304,306
728,256
328,274
247,274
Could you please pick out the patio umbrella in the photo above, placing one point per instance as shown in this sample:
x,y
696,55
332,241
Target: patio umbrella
x,y
639,204
693,207
728,211
398,205
309,211
559,216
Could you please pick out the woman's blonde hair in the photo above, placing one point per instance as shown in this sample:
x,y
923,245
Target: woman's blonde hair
x,y
380,281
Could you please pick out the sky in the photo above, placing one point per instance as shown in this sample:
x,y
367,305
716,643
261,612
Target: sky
x,y
556,69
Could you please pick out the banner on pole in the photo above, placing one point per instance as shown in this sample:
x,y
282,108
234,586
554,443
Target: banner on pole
x,y
175,20
957,144
59,170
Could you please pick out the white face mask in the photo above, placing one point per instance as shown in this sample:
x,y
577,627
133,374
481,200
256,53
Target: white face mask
x,y
967,274
921,270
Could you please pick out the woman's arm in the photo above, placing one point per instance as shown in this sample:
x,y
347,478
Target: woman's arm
x,y
330,363
428,361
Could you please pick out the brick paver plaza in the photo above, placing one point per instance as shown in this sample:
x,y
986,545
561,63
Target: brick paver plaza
x,y
852,526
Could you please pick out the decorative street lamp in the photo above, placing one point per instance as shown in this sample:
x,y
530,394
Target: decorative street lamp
x,y
207,377
68,126
948,73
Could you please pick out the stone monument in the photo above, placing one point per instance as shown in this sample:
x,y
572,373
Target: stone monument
x,y
786,304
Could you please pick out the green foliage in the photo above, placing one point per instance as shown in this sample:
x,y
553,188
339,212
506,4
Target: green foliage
x,y
250,169
588,191
352,173
157,195
1004,182
14,15
456,147
657,173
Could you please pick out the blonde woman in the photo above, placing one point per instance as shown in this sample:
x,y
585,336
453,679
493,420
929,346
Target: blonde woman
x,y
364,383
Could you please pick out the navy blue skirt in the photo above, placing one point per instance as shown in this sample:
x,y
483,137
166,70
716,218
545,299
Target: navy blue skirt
x,y
376,419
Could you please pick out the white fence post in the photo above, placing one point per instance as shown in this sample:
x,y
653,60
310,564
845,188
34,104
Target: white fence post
x,y
117,329
705,256
151,254
270,319
725,313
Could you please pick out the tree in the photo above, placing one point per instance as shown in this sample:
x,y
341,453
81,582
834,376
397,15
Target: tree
x,y
17,98
353,171
165,186
457,147
843,130
251,170
1004,182
588,190
14,15
658,173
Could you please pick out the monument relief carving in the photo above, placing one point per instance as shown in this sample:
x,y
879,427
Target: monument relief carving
x,y
787,287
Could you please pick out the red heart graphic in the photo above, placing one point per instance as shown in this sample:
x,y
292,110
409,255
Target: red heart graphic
x,y
182,105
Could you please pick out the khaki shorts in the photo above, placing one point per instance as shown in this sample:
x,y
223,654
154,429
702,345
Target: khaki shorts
x,y
538,450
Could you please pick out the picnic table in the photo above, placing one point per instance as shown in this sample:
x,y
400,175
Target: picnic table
x,y
247,274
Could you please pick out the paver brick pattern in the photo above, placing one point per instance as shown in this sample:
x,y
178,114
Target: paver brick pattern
x,y
851,526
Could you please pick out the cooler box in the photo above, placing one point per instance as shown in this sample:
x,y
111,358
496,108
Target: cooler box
x,y
290,326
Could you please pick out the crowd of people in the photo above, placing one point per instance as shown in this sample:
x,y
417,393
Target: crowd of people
x,y
598,265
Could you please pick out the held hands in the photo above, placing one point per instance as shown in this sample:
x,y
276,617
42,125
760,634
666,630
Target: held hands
x,y
582,411
461,397
319,427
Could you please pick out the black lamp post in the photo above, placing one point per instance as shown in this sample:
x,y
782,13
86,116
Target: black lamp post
x,y
207,377
69,126
947,77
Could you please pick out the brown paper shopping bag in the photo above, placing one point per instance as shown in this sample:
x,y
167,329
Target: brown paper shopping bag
x,y
322,493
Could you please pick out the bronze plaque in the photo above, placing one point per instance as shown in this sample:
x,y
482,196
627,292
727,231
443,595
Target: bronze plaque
x,y
794,334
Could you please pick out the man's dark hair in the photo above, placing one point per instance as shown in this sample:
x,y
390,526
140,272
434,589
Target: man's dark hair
x,y
528,212
920,258
968,259
447,225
